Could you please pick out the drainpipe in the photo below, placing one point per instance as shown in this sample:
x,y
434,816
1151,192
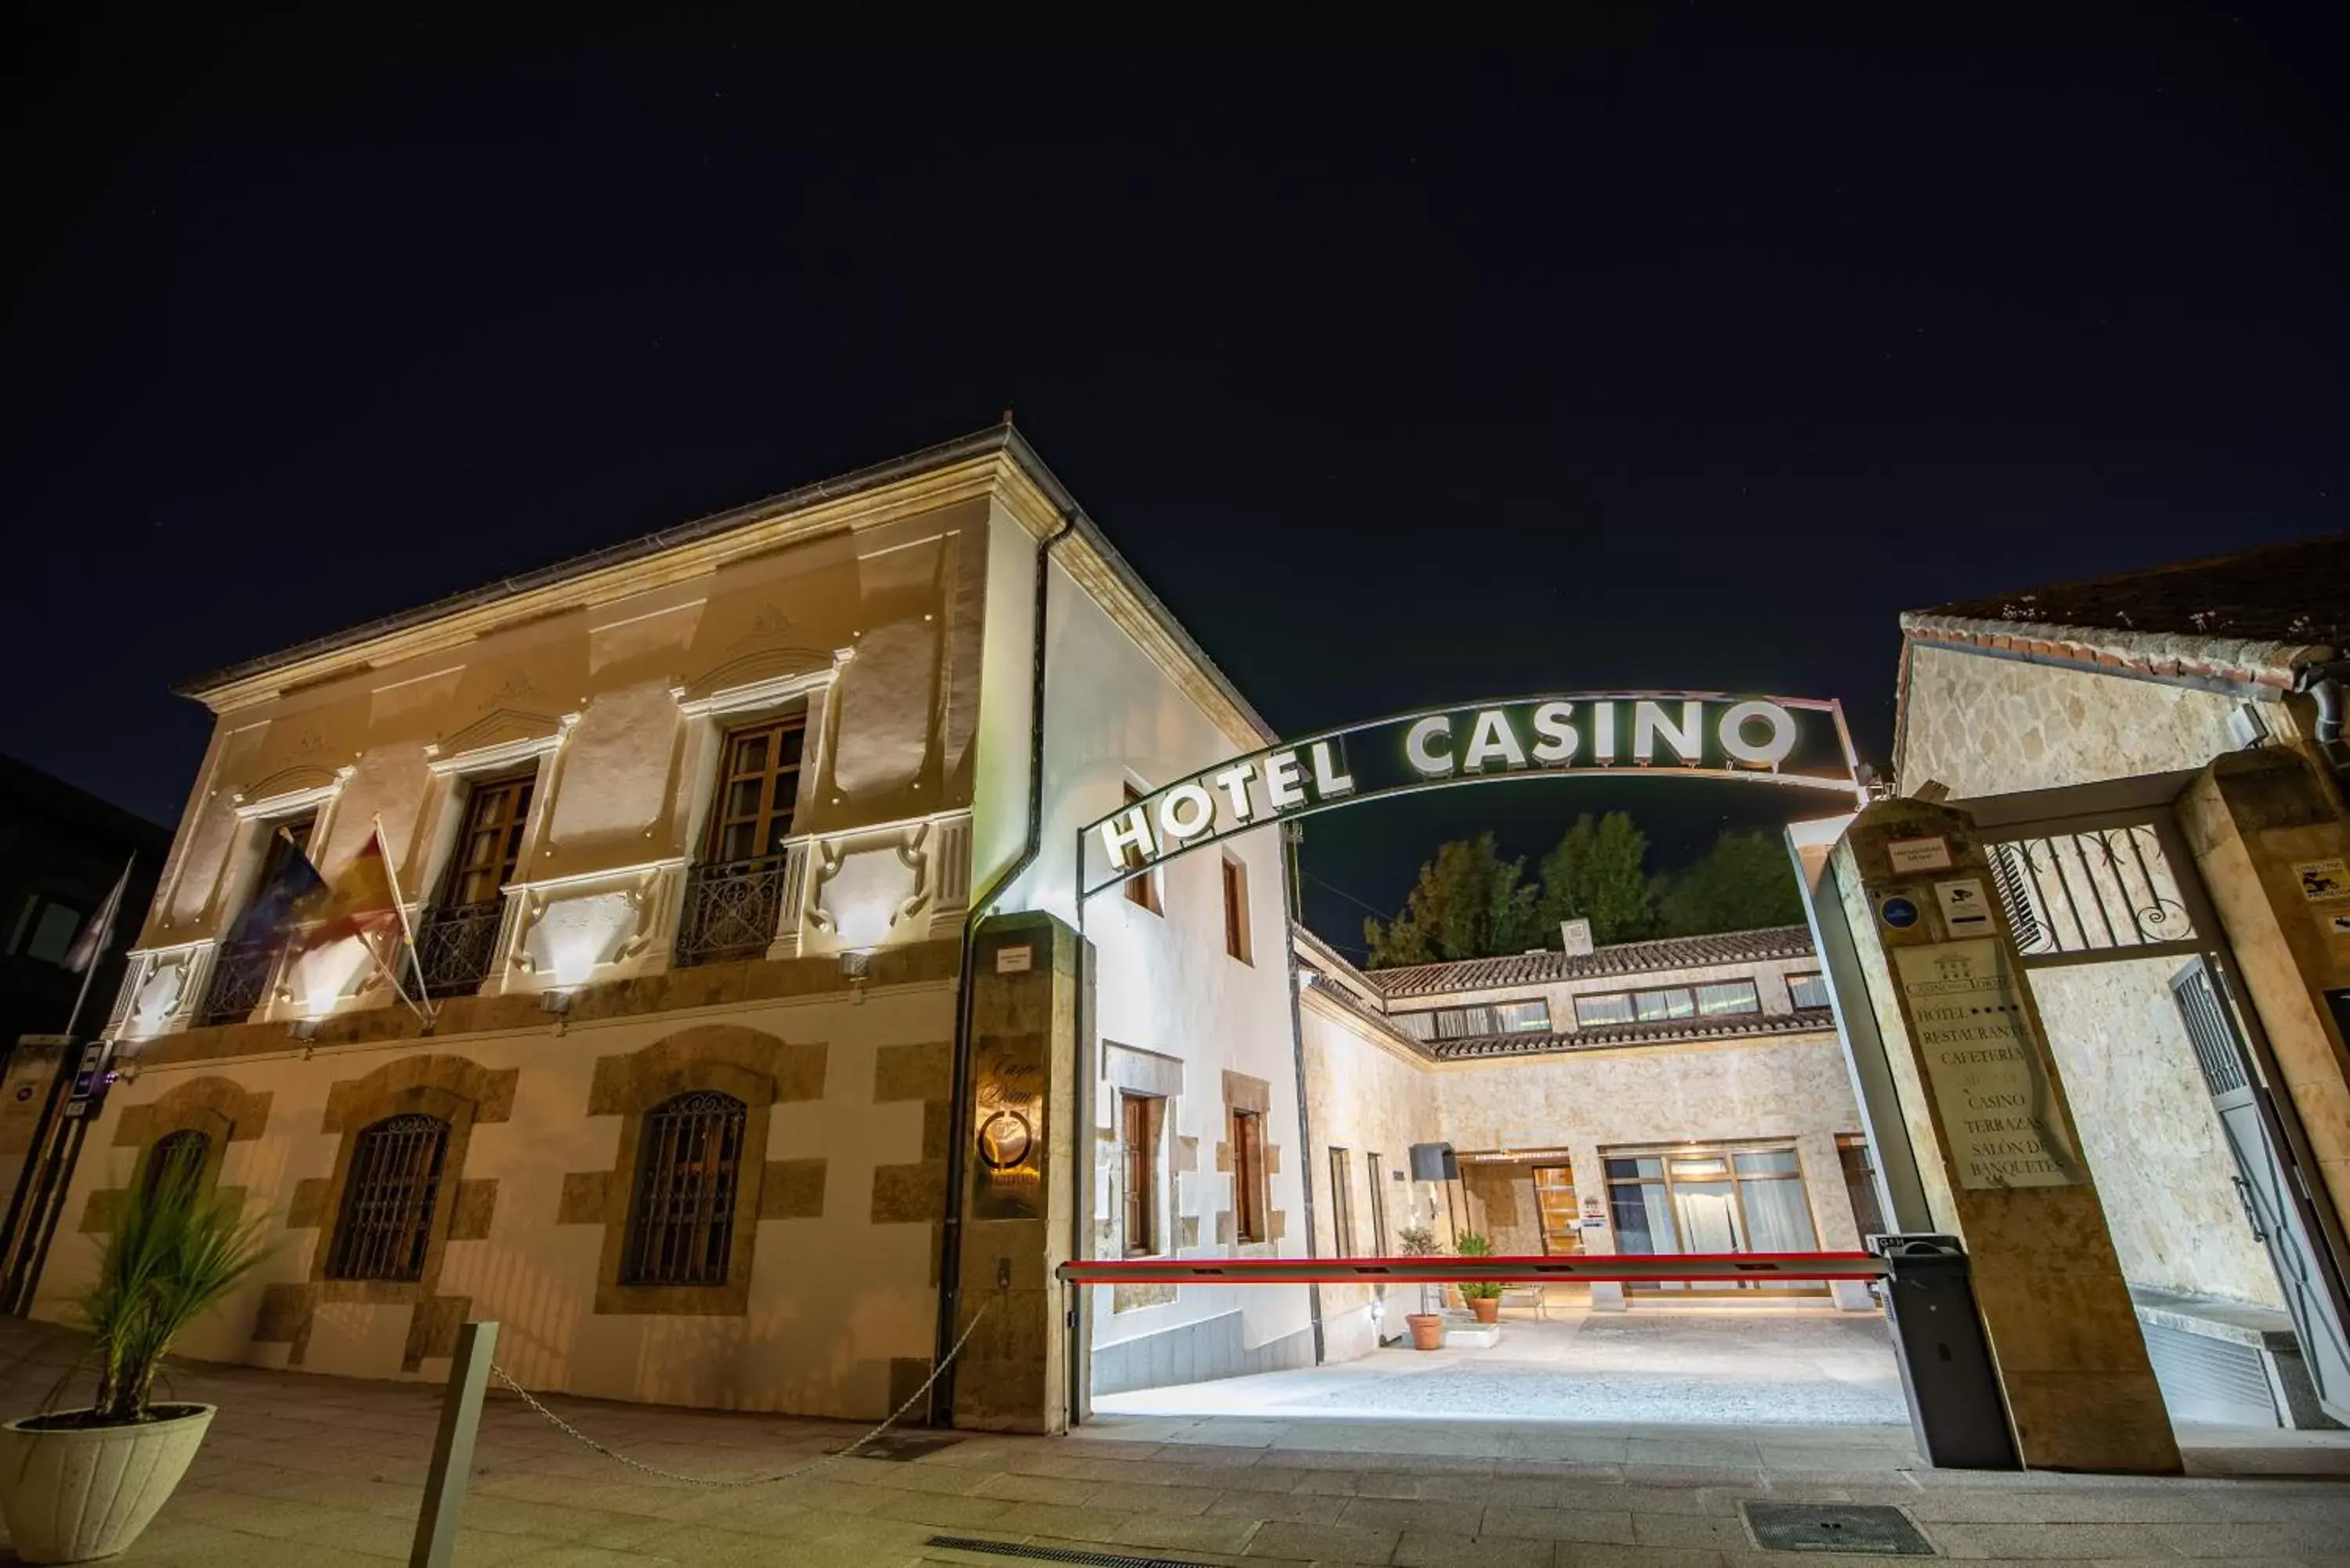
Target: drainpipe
x,y
940,1410
1292,834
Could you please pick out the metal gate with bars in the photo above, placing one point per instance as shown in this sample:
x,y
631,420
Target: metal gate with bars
x,y
2112,880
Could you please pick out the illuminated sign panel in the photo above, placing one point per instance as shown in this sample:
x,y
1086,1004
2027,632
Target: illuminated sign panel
x,y
1791,741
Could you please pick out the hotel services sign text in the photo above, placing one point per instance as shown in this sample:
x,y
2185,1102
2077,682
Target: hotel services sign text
x,y
1793,742
1984,1066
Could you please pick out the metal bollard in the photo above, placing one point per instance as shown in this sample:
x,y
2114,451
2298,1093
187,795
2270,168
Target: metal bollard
x,y
452,1447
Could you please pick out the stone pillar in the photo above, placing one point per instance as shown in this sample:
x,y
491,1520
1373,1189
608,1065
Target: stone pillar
x,y
1590,1182
1996,1151
2252,821
1831,1220
1018,1197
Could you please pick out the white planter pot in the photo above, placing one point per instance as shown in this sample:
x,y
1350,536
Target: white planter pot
x,y
72,1495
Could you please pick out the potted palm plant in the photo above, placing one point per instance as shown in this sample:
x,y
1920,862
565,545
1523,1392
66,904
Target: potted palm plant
x,y
1484,1296
1427,1323
78,1484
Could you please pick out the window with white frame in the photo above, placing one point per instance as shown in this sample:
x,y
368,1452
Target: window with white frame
x,y
1527,1017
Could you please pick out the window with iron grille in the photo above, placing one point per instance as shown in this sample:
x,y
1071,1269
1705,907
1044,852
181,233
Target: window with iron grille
x,y
735,897
1808,990
241,970
688,1170
176,1158
457,943
388,1197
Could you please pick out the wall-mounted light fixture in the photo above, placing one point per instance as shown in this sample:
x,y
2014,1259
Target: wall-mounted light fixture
x,y
856,962
558,1001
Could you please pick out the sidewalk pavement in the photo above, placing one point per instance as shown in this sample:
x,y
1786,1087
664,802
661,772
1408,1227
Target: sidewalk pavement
x,y
315,1472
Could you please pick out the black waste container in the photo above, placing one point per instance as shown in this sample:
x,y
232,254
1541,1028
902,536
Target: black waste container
x,y
1955,1404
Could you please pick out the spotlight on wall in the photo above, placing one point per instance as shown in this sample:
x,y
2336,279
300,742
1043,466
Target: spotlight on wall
x,y
558,1001
857,963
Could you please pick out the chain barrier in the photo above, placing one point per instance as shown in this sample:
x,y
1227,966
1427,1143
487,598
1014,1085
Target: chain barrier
x,y
889,1421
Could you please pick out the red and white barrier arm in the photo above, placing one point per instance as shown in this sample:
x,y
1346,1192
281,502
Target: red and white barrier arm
x,y
1629,1267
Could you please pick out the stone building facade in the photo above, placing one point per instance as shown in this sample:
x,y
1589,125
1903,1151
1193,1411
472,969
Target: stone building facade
x,y
1685,1094
690,834
2197,707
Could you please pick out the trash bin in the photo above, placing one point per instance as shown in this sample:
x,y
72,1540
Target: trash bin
x,y
1955,1404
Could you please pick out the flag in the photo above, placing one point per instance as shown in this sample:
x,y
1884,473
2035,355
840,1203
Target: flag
x,y
293,883
98,935
360,902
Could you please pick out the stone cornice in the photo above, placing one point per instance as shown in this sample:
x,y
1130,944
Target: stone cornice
x,y
787,520
994,464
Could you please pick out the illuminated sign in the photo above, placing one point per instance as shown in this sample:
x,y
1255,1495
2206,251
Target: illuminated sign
x,y
1787,740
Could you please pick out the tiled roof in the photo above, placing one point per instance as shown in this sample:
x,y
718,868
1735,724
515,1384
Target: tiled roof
x,y
1623,957
2251,619
1665,1031
1355,1007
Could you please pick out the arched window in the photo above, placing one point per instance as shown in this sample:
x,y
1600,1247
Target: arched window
x,y
689,1168
387,1197
177,1158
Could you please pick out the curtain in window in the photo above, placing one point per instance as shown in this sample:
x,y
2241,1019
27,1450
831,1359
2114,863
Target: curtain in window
x,y
1778,1219
1642,1208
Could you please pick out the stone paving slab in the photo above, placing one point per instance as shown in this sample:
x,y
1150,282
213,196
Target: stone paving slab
x,y
315,1473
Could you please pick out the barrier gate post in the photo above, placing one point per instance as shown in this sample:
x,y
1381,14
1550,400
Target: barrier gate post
x,y
1955,1405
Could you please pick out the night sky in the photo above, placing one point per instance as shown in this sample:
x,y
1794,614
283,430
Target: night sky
x,y
1688,356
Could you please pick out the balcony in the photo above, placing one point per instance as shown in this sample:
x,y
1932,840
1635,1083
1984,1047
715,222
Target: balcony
x,y
457,946
239,980
733,909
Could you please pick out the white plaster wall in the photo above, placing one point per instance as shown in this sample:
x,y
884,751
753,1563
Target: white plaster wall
x,y
1007,686
833,1298
1366,1098
1164,983
2148,1129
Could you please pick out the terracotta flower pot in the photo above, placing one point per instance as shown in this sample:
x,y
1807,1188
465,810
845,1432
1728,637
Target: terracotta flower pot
x,y
73,1493
1427,1330
1487,1308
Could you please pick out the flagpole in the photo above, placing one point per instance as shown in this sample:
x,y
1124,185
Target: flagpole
x,y
415,960
106,940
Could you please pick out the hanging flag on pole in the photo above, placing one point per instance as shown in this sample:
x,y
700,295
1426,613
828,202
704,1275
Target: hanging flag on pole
x,y
363,901
293,882
359,902
98,935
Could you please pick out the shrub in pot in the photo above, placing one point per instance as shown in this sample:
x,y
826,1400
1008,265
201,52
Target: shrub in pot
x,y
1484,1296
1427,1323
78,1484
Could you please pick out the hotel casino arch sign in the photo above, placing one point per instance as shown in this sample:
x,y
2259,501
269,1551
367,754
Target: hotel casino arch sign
x,y
1791,741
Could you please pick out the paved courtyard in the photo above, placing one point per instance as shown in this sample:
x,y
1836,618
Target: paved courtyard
x,y
304,1472
1712,1368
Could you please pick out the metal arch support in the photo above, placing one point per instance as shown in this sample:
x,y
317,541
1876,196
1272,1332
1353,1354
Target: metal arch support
x,y
1547,735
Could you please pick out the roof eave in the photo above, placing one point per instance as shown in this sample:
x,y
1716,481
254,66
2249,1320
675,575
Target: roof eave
x,y
999,439
2266,669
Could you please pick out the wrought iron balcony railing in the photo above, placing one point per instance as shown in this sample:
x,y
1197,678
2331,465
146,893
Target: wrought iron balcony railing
x,y
457,946
732,910
240,978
